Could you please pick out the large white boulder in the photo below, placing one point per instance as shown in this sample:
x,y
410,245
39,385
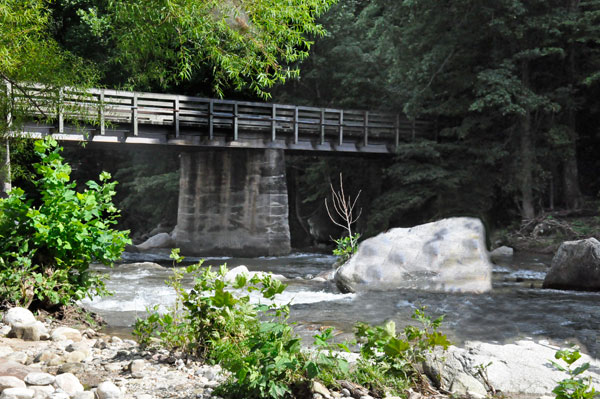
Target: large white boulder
x,y
519,369
447,255
576,265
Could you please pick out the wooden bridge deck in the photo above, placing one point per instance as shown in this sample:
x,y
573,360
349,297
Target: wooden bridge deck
x,y
111,116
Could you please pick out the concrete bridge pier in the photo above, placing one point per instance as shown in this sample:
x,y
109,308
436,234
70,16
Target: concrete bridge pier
x,y
233,202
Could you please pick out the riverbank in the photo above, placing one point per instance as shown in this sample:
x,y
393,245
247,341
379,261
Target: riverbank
x,y
85,364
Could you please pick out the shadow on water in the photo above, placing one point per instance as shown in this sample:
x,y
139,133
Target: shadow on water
x,y
517,307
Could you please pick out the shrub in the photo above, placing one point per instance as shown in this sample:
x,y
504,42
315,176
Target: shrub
x,y
46,249
346,247
216,321
390,359
573,387
252,341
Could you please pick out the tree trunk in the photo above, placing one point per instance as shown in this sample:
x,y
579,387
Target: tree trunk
x,y
527,156
572,193
5,178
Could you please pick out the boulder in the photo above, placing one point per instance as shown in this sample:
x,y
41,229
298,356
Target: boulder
x,y
108,390
522,368
29,332
447,255
575,266
37,378
8,381
19,316
233,273
9,367
17,393
161,240
68,383
66,333
502,253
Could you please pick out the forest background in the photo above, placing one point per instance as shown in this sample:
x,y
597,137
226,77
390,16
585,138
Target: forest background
x,y
510,86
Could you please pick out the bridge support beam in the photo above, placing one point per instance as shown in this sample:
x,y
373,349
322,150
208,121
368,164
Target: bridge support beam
x,y
233,202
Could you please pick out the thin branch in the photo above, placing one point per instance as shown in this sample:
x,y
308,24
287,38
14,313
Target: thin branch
x,y
25,93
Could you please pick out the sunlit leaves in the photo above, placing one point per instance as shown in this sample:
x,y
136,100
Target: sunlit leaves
x,y
56,241
245,44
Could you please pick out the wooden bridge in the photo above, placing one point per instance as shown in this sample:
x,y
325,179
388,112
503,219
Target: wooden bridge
x,y
112,116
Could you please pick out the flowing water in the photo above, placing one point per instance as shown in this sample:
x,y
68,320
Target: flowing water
x,y
517,307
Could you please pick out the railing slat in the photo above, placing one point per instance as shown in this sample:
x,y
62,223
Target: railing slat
x,y
176,116
101,115
134,113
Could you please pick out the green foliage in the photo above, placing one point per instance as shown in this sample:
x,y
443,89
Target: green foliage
x,y
46,249
346,247
573,387
390,357
216,324
241,44
216,321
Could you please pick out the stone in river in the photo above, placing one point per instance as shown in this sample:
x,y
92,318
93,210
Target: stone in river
x,y
575,266
447,255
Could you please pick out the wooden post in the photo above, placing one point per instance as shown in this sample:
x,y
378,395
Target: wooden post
x,y
322,126
366,128
295,125
61,116
397,129
176,115
101,113
211,111
134,114
273,122
341,129
235,122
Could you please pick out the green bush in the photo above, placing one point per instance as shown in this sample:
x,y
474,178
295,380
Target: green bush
x,y
390,359
216,321
46,248
346,247
573,387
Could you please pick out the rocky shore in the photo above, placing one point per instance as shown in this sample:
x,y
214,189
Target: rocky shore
x,y
70,363
46,360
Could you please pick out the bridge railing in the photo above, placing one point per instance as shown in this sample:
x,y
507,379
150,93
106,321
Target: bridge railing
x,y
106,111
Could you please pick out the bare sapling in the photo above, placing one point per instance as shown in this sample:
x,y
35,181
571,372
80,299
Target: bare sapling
x,y
343,214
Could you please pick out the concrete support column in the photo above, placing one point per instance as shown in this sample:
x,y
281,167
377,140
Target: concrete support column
x,y
233,202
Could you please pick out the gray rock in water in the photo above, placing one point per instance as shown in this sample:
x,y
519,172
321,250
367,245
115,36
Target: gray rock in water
x,y
18,316
161,240
233,273
502,253
447,255
576,265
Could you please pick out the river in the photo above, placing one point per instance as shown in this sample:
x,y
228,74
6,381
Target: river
x,y
517,307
